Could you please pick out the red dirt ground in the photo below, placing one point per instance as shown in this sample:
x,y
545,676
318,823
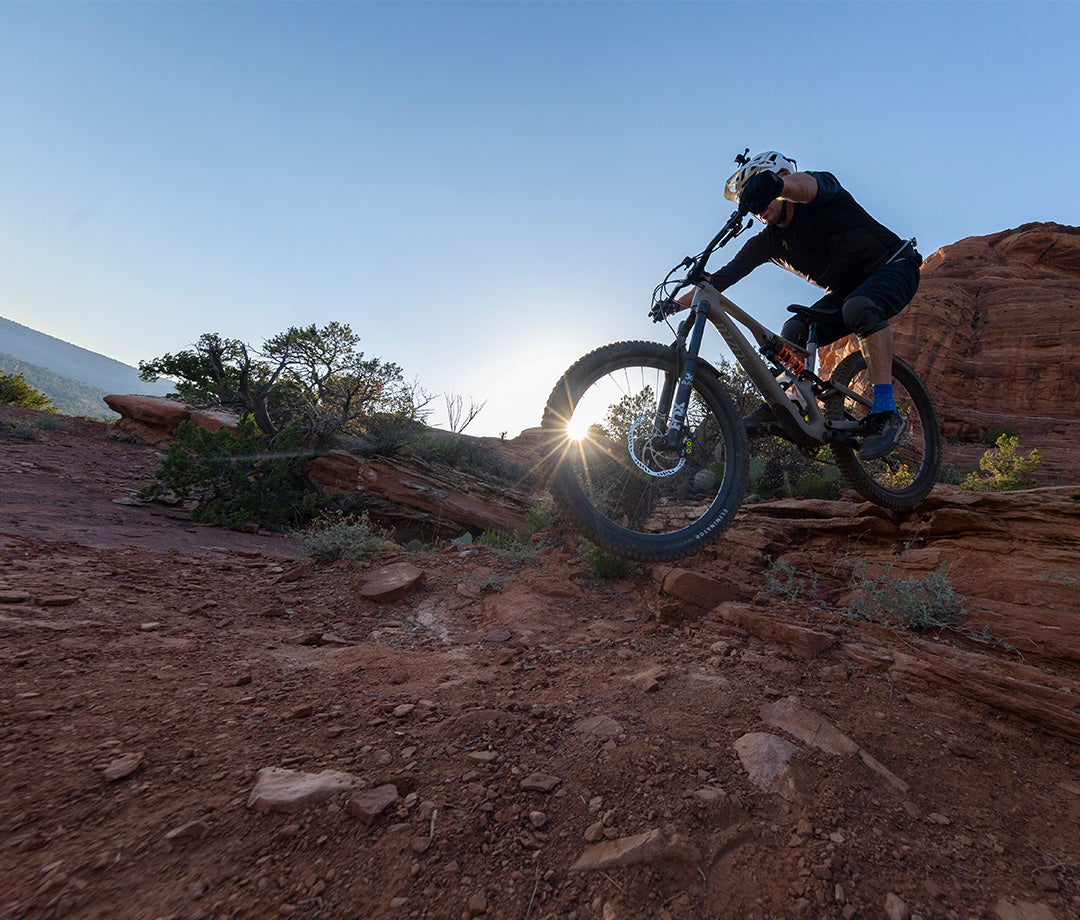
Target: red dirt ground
x,y
209,655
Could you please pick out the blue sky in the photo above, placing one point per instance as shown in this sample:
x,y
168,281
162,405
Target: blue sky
x,y
486,191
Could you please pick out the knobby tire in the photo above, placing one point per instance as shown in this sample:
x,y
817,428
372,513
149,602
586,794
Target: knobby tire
x,y
594,478
905,477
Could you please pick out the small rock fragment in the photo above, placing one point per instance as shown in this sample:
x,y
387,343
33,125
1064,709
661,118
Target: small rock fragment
x,y
1005,909
58,600
123,766
193,830
895,908
601,726
767,760
539,782
13,597
368,804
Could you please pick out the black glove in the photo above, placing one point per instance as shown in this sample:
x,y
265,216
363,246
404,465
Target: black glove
x,y
760,190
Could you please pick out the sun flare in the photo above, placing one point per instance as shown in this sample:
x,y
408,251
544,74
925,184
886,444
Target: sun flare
x,y
577,427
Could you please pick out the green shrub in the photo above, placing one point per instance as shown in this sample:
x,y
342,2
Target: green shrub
x,y
31,429
334,535
1003,469
239,479
993,435
542,515
512,547
605,564
15,391
311,380
779,469
930,602
387,434
811,485
782,579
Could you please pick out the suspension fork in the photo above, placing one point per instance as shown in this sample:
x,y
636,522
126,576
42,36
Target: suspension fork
x,y
677,387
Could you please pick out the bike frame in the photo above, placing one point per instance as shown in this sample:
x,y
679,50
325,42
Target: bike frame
x,y
709,305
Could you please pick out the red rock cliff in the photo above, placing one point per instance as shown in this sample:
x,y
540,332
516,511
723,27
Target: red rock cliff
x,y
994,332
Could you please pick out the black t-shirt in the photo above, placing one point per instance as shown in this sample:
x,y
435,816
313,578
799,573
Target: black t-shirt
x,y
831,242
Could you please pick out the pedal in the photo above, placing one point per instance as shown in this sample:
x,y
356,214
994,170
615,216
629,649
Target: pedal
x,y
843,439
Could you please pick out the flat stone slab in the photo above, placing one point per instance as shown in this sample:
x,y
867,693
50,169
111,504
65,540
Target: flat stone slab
x,y
280,790
767,761
391,582
649,848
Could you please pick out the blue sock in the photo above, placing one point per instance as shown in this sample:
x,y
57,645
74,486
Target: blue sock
x,y
883,398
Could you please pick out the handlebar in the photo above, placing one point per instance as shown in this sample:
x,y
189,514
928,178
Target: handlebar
x,y
665,305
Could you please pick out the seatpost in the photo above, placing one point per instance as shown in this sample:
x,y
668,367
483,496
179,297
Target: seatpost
x,y
811,349
686,377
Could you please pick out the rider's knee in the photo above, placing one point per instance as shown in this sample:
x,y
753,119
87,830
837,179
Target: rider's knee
x,y
863,317
795,330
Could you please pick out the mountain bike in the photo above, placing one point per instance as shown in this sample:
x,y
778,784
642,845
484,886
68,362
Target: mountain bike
x,y
644,448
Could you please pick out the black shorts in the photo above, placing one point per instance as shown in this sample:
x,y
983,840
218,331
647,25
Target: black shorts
x,y
890,288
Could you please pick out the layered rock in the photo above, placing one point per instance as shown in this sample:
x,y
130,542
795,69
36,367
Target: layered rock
x,y
417,496
1014,556
992,333
153,419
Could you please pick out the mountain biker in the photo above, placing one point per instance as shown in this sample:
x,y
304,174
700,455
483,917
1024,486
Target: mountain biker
x,y
816,229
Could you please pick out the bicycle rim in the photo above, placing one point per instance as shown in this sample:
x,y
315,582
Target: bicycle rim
x,y
612,471
904,477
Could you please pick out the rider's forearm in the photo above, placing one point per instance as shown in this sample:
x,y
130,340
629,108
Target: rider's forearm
x,y
800,187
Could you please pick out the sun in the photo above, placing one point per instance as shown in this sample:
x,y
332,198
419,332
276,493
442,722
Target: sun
x,y
578,426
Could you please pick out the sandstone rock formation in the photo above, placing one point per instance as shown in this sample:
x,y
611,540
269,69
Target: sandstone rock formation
x,y
416,496
992,333
153,419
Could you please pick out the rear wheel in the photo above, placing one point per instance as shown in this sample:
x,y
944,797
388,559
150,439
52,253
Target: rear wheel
x,y
904,477
611,470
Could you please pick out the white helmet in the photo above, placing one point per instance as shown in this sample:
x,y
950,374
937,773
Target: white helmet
x,y
769,161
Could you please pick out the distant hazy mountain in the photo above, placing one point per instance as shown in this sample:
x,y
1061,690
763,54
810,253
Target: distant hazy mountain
x,y
69,396
37,354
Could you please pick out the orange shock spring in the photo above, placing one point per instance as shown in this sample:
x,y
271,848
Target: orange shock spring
x,y
788,357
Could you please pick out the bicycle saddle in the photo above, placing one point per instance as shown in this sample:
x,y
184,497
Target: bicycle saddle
x,y
812,313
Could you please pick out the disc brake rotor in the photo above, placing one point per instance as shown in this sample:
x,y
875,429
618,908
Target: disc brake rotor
x,y
656,458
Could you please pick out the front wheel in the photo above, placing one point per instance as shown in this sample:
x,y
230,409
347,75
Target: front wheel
x,y
905,477
611,468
